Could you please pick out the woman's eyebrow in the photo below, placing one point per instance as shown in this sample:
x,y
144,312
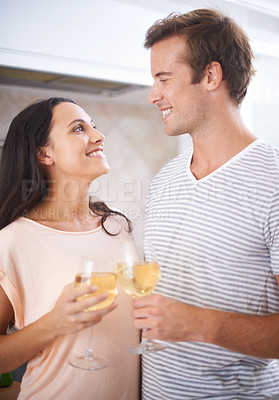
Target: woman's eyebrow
x,y
80,120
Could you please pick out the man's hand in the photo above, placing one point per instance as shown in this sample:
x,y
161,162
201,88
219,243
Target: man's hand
x,y
166,319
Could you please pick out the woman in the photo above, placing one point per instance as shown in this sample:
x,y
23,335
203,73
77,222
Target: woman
x,y
51,154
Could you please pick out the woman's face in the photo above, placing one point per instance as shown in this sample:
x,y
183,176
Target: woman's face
x,y
75,147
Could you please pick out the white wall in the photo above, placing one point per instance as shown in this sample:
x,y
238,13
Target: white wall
x,y
104,39
261,107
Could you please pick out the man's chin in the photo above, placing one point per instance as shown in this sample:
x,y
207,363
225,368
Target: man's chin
x,y
171,132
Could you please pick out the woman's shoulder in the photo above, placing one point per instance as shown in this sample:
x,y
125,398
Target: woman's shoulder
x,y
12,235
13,228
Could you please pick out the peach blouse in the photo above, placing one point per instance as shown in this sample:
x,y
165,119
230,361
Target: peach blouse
x,y
36,262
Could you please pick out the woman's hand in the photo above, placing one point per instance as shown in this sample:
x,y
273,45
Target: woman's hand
x,y
68,315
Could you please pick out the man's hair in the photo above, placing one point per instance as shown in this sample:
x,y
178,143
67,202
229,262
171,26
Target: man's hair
x,y
209,36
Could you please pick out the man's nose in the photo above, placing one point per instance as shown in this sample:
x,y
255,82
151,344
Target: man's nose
x,y
155,95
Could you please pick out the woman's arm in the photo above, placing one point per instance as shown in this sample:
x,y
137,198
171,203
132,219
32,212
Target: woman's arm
x,y
66,317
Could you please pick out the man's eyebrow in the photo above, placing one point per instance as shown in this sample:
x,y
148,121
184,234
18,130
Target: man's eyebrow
x,y
80,120
162,73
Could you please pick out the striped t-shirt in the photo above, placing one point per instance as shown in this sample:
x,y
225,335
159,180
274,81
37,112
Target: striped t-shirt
x,y
217,242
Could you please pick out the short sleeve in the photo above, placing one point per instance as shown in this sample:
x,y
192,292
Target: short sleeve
x,y
12,295
271,232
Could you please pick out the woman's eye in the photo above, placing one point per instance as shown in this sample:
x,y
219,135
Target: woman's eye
x,y
163,80
78,128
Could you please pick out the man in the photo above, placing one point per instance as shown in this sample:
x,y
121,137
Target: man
x,y
212,220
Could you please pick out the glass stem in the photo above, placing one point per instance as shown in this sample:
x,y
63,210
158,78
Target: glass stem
x,y
144,341
89,351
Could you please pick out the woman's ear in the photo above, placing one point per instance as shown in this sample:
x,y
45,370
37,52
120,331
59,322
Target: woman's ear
x,y
44,156
214,75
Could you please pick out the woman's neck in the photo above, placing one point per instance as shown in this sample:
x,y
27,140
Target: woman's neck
x,y
65,207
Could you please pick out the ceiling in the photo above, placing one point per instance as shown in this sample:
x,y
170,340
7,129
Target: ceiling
x,y
270,7
266,6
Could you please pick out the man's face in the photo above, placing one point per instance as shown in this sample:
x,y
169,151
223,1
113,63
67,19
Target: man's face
x,y
183,104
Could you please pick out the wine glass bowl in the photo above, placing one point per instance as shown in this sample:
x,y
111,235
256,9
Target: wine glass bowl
x,y
140,279
106,283
94,272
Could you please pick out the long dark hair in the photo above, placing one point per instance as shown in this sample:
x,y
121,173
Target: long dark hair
x,y
23,181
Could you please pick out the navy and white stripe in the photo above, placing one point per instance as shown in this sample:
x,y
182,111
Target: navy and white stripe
x,y
217,241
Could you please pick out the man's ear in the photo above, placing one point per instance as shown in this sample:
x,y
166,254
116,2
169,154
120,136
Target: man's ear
x,y
44,156
214,75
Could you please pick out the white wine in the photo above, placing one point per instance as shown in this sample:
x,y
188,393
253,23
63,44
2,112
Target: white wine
x,y
138,279
106,282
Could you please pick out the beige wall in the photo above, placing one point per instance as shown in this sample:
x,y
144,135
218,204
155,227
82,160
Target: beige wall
x,y
136,145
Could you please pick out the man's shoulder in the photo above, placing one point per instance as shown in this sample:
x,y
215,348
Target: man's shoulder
x,y
265,157
267,149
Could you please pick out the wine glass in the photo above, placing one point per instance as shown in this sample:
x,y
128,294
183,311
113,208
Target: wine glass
x,y
93,272
139,278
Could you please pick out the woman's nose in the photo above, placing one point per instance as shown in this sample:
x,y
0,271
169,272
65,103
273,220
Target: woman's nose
x,y
96,136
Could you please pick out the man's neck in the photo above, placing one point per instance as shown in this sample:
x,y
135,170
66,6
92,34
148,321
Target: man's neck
x,y
214,149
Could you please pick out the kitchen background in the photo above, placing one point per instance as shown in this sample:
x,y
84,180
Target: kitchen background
x,y
92,52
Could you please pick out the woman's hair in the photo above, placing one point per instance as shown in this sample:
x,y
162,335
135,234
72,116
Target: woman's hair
x,y
209,36
23,180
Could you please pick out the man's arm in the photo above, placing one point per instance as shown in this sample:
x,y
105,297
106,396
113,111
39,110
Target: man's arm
x,y
174,321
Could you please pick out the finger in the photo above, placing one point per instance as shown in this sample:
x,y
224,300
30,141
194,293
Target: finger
x,y
106,310
88,301
75,292
90,318
144,324
149,334
143,312
144,301
93,316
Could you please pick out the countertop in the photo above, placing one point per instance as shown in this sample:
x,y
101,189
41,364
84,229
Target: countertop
x,y
10,392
